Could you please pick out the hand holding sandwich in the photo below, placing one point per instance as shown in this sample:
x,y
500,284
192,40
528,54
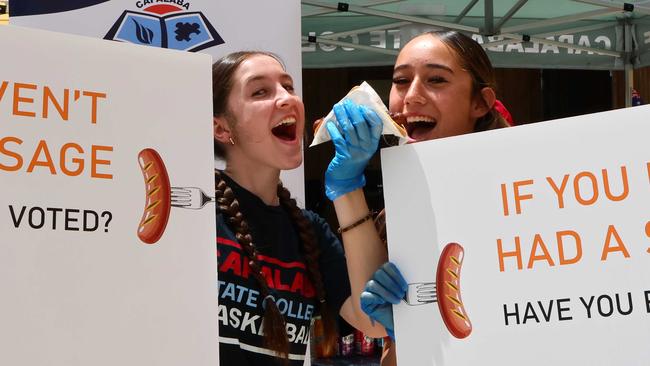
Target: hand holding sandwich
x,y
355,138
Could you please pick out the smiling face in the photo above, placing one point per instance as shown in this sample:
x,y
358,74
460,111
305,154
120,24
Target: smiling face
x,y
433,91
264,117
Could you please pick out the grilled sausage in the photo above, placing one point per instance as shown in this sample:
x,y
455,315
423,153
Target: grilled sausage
x,y
398,118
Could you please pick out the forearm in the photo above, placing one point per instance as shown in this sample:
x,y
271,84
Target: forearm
x,y
364,253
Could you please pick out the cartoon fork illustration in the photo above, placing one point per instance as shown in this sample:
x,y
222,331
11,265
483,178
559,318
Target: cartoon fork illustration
x,y
189,197
445,291
421,293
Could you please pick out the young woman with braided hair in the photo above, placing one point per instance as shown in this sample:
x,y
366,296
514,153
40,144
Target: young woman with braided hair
x,y
279,265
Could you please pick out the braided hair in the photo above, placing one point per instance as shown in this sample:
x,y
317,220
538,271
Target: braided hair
x,y
311,254
275,334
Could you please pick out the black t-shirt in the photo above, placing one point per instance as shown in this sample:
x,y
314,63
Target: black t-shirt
x,y
240,302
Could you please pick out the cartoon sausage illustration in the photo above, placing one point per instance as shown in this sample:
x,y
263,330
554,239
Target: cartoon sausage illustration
x,y
158,192
445,291
448,291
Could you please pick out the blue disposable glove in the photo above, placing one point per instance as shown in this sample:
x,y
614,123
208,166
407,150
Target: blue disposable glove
x,y
355,139
386,287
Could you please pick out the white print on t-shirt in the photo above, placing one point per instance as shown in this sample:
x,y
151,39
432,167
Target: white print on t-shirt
x,y
249,297
246,322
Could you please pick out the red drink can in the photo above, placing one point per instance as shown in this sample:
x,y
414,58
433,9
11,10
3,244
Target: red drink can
x,y
363,345
367,346
358,340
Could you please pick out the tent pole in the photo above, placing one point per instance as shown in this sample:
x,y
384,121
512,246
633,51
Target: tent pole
x,y
629,82
575,30
559,20
317,12
510,13
465,11
488,16
637,8
629,67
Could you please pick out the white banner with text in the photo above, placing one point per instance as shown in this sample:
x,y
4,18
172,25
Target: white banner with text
x,y
104,149
528,245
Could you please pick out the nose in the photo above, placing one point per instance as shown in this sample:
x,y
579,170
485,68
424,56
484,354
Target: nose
x,y
414,94
284,98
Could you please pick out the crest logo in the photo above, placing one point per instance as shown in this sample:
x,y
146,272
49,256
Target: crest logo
x,y
166,25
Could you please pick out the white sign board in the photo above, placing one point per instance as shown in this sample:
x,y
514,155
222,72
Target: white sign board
x,y
552,258
206,26
96,268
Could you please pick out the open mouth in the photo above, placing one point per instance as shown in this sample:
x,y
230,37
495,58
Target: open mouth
x,y
418,127
285,130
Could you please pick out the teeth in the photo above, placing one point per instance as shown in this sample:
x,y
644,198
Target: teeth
x,y
286,121
420,119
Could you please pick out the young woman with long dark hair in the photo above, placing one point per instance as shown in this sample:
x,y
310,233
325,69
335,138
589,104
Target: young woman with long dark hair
x,y
279,266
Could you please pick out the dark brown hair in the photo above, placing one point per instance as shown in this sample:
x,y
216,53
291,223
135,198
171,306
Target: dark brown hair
x,y
275,335
474,60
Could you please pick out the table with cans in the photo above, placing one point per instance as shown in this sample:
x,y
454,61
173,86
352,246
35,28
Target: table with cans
x,y
352,349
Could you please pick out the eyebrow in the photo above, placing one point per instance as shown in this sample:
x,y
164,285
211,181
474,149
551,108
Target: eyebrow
x,y
429,66
253,78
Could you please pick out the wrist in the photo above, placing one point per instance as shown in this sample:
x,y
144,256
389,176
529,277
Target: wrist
x,y
369,216
335,188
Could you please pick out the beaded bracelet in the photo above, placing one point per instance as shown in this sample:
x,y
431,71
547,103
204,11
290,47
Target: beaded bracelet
x,y
356,223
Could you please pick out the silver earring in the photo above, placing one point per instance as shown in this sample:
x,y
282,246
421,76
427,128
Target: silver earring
x,y
231,141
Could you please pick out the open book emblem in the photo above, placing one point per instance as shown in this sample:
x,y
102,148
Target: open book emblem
x,y
187,31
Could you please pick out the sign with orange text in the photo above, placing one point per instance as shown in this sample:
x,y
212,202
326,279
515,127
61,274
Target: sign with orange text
x,y
206,26
107,254
528,245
